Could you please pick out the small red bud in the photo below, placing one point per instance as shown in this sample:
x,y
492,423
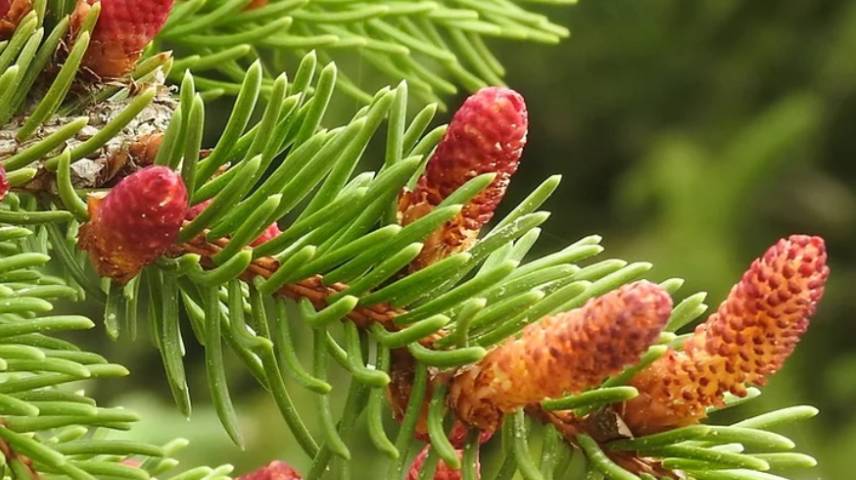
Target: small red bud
x,y
443,471
744,342
275,470
11,13
137,222
267,235
254,4
197,209
4,183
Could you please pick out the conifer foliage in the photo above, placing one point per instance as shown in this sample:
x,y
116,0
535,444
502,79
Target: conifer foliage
x,y
398,275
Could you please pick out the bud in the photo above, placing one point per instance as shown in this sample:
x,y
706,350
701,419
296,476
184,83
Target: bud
x,y
197,209
254,4
123,30
275,470
11,13
271,232
4,183
562,354
748,339
486,135
443,471
135,223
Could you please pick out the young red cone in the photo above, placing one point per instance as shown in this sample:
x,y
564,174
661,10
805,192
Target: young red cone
x,y
486,135
561,354
11,13
269,233
748,339
123,30
275,470
134,224
4,183
443,471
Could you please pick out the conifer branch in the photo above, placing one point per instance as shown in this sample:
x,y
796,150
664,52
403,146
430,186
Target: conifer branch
x,y
396,272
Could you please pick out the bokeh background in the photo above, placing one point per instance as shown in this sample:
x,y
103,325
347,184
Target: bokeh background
x,y
691,134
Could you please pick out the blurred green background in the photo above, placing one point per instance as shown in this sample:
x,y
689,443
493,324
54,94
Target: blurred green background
x,y
690,134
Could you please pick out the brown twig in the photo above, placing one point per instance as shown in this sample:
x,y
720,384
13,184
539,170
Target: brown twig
x,y
313,288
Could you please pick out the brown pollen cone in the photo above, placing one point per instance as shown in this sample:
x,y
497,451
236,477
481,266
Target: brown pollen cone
x,y
11,13
562,354
748,339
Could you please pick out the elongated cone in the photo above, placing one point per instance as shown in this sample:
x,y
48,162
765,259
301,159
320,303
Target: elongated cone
x,y
402,373
443,471
486,135
562,354
275,470
11,13
748,339
4,183
137,222
123,30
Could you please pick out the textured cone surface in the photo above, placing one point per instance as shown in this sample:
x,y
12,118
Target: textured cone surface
x,y
443,471
562,354
11,13
123,30
748,339
275,470
136,222
486,135
4,183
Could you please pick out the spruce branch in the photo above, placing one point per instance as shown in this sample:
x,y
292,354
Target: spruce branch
x,y
273,227
436,46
